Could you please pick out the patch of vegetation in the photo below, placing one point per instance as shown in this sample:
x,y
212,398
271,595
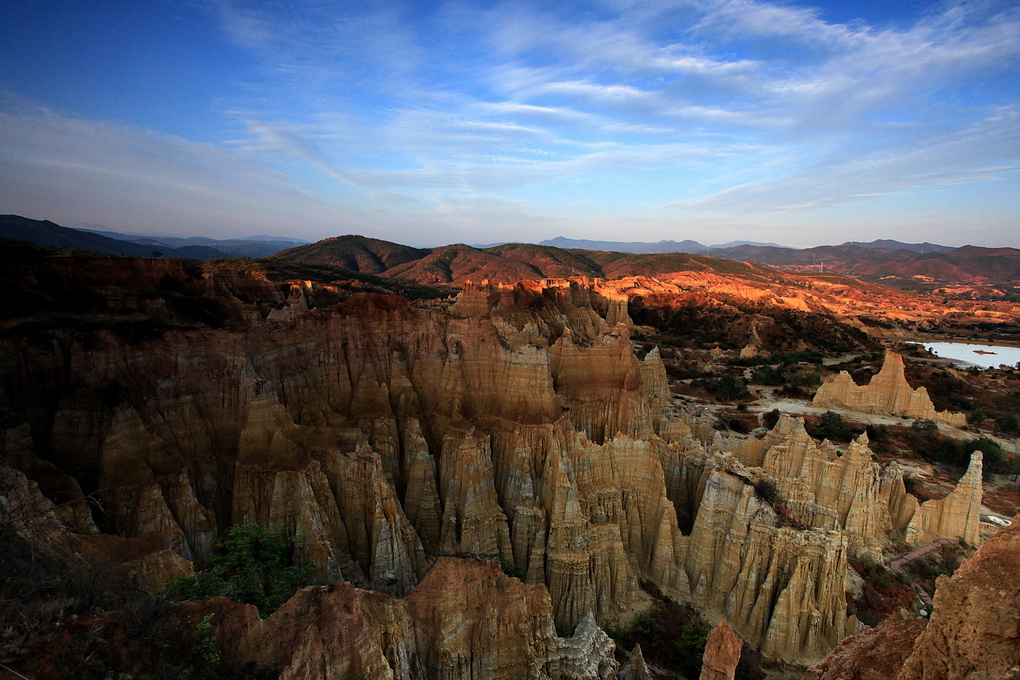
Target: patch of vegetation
x,y
738,425
725,388
671,636
784,359
767,490
884,592
769,375
937,448
834,427
877,432
1007,423
255,566
924,571
805,380
508,566
67,616
205,640
701,320
947,391
644,350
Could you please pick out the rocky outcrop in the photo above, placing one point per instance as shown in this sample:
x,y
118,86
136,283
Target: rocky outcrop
x,y
779,585
635,668
975,624
958,515
873,654
722,653
465,620
386,435
888,392
848,490
34,519
828,488
832,491
973,632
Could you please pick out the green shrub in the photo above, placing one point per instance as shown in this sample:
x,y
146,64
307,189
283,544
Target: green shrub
x,y
671,636
508,566
767,490
204,640
691,647
877,432
806,379
255,566
1007,423
737,425
769,375
728,388
833,427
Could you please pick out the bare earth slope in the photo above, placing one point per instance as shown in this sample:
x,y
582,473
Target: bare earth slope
x,y
872,305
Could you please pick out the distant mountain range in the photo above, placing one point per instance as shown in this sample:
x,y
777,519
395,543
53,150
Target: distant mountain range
x,y
44,232
732,249
964,271
685,246
968,271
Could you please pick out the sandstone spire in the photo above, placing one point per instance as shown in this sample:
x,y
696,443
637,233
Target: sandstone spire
x,y
956,515
888,392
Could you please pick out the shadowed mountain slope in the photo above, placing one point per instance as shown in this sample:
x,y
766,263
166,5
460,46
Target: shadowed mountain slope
x,y
355,252
46,233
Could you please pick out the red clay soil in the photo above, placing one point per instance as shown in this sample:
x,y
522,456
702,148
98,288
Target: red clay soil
x,y
1004,501
874,654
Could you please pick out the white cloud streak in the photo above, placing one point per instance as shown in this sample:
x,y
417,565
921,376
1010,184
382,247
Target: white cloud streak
x,y
74,171
401,109
985,151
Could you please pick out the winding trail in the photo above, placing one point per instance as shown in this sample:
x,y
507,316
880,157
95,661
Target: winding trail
x,y
898,563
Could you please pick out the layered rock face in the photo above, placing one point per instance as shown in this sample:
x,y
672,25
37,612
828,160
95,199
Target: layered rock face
x,y
974,630
465,620
778,585
849,491
874,654
382,434
47,528
386,435
888,392
832,491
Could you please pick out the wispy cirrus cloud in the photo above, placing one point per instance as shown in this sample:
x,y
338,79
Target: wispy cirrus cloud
x,y
408,112
984,151
61,167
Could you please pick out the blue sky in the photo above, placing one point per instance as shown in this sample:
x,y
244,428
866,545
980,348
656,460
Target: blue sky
x,y
440,122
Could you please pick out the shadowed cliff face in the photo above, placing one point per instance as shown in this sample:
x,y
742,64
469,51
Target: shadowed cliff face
x,y
516,420
382,433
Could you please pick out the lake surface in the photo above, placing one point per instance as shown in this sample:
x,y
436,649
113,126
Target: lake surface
x,y
968,353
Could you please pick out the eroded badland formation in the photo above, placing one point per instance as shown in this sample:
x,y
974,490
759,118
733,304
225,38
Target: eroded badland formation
x,y
411,447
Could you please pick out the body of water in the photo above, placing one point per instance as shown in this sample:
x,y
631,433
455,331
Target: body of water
x,y
984,356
